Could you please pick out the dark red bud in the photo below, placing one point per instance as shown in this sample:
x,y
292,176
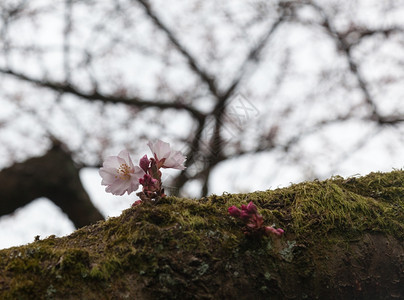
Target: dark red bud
x,y
144,163
234,211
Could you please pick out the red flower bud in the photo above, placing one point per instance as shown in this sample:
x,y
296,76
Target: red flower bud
x,y
137,202
271,230
148,181
234,211
251,208
144,163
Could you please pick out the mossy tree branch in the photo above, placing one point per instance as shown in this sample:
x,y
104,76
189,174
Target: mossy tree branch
x,y
343,240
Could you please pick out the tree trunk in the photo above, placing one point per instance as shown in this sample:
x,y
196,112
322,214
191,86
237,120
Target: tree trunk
x,y
54,176
343,240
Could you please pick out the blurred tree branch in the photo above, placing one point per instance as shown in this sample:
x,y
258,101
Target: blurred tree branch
x,y
95,95
345,43
54,176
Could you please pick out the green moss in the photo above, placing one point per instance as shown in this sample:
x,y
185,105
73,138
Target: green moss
x,y
197,239
105,269
74,262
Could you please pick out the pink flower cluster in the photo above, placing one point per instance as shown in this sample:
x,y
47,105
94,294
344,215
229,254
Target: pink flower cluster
x,y
120,175
253,220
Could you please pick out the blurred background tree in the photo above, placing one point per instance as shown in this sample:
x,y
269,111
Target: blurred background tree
x,y
255,93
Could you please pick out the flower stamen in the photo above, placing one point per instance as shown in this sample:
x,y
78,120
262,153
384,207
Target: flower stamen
x,y
123,172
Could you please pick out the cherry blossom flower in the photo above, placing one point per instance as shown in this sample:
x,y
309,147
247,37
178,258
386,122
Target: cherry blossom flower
x,y
165,156
120,175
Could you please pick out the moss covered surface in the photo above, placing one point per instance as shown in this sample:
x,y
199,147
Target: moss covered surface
x,y
344,238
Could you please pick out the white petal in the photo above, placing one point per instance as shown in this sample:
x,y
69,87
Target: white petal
x,y
138,172
175,161
111,162
134,179
119,187
134,185
124,154
108,175
160,149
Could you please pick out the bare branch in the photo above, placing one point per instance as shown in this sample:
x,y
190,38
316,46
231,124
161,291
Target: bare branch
x,y
66,38
344,46
205,77
254,57
95,95
355,35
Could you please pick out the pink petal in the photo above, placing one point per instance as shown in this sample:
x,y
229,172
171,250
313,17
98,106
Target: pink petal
x,y
111,162
124,154
160,149
117,188
108,175
175,160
